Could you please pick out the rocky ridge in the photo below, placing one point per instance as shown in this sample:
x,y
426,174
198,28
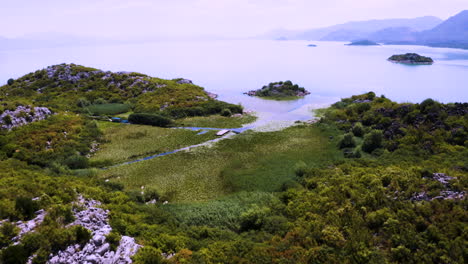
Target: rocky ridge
x,y
23,115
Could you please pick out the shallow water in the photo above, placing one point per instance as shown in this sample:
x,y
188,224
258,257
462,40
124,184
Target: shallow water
x,y
229,68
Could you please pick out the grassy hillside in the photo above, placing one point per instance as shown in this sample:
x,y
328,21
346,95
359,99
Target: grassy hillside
x,y
374,181
70,87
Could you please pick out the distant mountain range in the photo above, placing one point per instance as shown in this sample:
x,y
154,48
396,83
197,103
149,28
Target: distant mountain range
x,y
428,30
355,30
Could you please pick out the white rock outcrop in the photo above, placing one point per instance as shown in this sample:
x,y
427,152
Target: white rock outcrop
x,y
97,250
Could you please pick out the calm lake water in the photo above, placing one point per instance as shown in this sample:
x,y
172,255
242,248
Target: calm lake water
x,y
229,68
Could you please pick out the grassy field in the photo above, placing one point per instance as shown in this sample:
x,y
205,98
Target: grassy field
x,y
247,162
107,109
216,121
127,142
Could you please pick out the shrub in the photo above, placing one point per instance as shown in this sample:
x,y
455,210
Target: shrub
x,y
83,102
149,119
300,168
14,254
10,81
347,141
7,120
108,109
372,141
77,162
358,130
113,239
254,218
148,255
7,232
26,207
82,235
100,101
226,112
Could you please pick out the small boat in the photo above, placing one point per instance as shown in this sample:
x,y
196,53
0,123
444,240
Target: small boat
x,y
222,132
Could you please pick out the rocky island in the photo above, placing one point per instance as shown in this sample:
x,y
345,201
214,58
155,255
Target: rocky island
x,y
411,58
280,90
363,43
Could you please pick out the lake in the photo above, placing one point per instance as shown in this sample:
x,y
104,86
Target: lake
x,y
329,71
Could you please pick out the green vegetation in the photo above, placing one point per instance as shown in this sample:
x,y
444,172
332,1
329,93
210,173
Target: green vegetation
x,y
123,142
280,91
356,187
10,81
411,58
216,121
107,109
149,119
70,87
247,162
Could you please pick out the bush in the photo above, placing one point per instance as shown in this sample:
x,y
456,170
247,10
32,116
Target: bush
x,y
372,141
7,232
113,239
100,101
76,162
7,120
10,81
83,102
254,218
14,254
300,168
149,119
226,112
108,109
26,207
148,255
358,130
347,141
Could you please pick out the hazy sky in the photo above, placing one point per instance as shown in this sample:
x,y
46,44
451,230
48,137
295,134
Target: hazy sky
x,y
110,18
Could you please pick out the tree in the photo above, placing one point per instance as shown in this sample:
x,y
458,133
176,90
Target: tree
x,y
358,129
10,81
347,141
372,141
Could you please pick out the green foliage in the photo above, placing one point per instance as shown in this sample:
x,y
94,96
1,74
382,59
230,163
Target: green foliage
x,y
107,109
358,130
254,218
7,120
148,255
26,207
280,89
100,101
372,141
347,141
149,119
7,232
77,162
300,168
411,58
15,255
226,112
83,102
113,238
10,81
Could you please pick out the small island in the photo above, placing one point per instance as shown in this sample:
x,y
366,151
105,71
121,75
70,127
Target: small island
x,y
280,91
411,58
363,43
312,45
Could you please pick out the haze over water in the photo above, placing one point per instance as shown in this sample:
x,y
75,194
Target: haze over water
x,y
330,71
